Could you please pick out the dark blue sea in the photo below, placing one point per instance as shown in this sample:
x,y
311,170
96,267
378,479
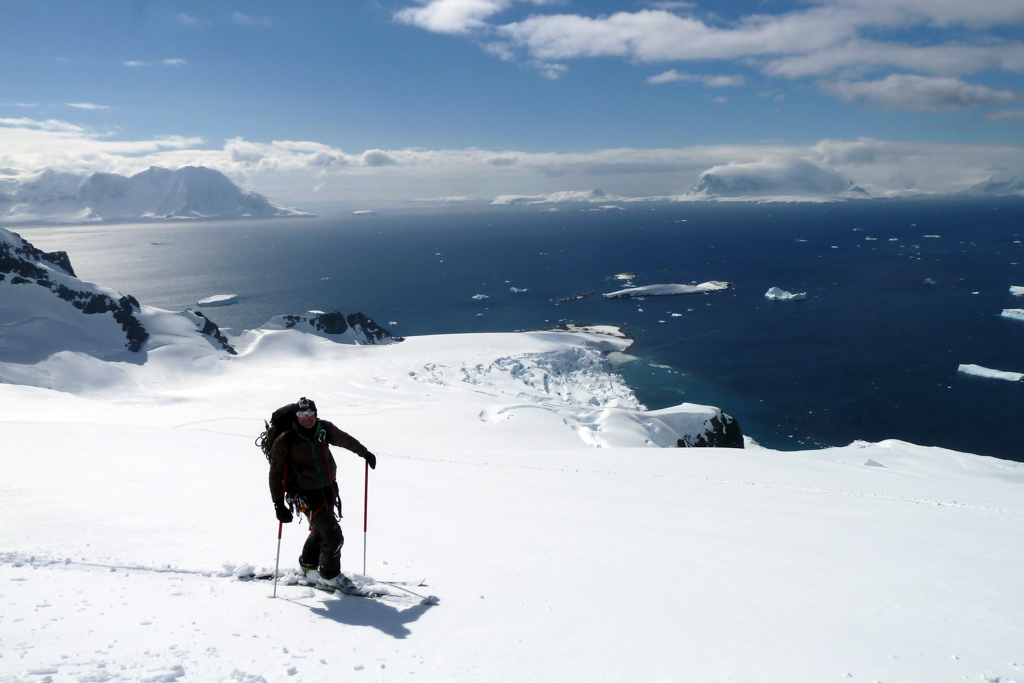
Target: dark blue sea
x,y
899,293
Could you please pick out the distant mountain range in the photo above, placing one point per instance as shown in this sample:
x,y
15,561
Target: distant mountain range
x,y
193,192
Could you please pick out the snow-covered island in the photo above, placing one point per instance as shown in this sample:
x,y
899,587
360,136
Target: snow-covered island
x,y
516,474
192,192
668,290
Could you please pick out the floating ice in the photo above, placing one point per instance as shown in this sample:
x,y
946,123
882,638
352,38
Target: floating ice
x,y
666,290
219,300
480,297
988,373
776,294
1017,291
1015,313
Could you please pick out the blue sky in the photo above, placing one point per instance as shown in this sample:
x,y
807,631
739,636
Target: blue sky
x,y
383,91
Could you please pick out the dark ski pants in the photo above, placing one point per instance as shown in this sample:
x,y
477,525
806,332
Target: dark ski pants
x,y
322,548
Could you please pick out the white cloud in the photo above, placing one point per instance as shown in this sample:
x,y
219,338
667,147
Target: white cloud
x,y
951,59
250,21
191,21
1005,115
673,76
920,93
87,105
857,41
452,16
164,62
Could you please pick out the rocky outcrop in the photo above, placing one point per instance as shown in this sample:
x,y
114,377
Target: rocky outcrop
x,y
720,432
355,328
23,264
211,331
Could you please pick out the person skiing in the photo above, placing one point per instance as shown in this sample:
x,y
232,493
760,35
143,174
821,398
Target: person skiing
x,y
304,451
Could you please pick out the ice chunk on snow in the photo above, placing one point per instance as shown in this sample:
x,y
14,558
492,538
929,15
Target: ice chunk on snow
x,y
988,373
776,294
219,300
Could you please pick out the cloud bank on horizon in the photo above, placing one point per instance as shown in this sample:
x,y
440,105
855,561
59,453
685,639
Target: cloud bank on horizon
x,y
306,170
428,99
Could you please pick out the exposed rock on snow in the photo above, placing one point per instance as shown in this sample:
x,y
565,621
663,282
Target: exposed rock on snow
x,y
193,192
666,290
44,308
776,294
685,425
357,328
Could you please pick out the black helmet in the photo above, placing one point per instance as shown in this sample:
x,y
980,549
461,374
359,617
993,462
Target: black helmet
x,y
306,404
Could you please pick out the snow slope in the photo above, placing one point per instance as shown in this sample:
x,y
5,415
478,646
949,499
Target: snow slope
x,y
132,492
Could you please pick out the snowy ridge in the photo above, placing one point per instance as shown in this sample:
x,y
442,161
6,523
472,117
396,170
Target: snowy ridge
x,y
192,192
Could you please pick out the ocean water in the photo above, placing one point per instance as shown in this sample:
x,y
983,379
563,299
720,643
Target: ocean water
x,y
899,293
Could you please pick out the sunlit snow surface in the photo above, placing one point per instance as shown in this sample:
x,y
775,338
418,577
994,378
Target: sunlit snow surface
x,y
127,497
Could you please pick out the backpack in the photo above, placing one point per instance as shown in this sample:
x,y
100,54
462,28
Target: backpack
x,y
281,422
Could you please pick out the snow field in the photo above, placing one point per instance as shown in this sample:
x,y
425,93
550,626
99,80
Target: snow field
x,y
553,560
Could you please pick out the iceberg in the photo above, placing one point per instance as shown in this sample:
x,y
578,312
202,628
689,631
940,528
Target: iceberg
x,y
668,290
988,373
776,294
1013,313
1017,291
218,300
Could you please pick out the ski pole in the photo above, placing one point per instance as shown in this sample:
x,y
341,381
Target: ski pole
x,y
280,528
366,492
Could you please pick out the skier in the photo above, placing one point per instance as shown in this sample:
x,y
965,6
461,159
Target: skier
x,y
304,450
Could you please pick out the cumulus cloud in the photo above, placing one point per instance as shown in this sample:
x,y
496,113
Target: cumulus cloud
x,y
920,93
452,16
873,47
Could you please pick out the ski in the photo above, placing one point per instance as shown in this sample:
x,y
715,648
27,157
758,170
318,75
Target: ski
x,y
354,584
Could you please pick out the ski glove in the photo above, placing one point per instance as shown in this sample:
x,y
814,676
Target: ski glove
x,y
370,459
284,515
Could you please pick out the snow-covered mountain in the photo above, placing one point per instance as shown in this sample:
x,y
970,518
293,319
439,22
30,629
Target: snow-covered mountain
x,y
998,187
193,192
780,180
